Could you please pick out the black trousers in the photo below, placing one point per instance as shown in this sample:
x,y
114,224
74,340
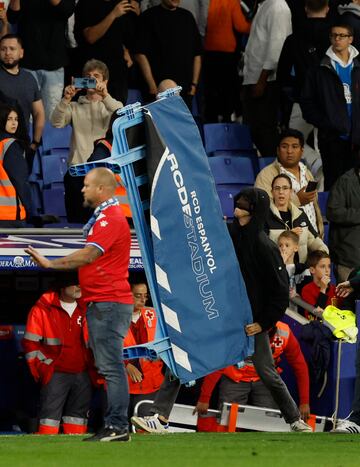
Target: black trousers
x,y
67,396
221,83
338,156
261,114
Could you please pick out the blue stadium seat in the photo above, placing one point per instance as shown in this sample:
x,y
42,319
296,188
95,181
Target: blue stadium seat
x,y
323,199
54,168
232,170
233,137
55,138
226,195
231,174
134,95
53,200
265,161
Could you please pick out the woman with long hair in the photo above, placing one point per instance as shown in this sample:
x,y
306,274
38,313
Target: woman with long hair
x,y
15,196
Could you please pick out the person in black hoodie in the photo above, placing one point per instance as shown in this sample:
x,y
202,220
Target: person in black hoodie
x,y
267,287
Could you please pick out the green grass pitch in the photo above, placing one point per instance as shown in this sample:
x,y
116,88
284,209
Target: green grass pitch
x,y
185,450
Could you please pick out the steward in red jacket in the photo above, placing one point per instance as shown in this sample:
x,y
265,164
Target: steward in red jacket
x,y
240,382
55,344
144,376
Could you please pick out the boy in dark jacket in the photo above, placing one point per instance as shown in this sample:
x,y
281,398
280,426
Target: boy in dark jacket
x,y
267,287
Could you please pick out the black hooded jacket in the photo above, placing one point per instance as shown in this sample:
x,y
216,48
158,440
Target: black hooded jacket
x,y
262,267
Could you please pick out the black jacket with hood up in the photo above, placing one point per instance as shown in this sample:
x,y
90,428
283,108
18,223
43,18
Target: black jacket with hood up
x,y
262,267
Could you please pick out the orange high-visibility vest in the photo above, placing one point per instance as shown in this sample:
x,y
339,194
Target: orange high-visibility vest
x,y
278,344
151,370
120,192
11,208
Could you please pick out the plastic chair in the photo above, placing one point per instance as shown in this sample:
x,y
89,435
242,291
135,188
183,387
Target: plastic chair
x,y
323,200
265,161
55,138
227,137
53,200
232,170
53,169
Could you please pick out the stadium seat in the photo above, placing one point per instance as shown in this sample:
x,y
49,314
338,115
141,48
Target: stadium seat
x,y
53,200
265,161
323,199
231,174
232,170
54,168
233,137
55,138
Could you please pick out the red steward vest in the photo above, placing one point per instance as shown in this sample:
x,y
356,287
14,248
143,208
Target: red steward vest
x,y
151,370
278,344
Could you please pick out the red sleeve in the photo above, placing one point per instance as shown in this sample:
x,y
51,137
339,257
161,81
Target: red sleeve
x,y
297,362
208,385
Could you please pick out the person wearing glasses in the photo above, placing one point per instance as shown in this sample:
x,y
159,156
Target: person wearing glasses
x,y
144,376
290,150
330,100
285,215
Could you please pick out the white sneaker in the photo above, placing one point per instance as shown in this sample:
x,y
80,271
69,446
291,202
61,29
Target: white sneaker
x,y
150,424
346,426
300,427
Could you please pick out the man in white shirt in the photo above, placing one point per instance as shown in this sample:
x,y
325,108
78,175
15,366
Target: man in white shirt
x,y
270,27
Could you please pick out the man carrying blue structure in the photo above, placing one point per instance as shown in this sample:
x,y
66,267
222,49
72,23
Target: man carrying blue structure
x,y
103,276
267,287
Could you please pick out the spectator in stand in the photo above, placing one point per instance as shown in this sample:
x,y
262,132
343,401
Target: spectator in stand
x,y
89,117
244,386
343,213
199,9
104,30
15,196
269,29
288,243
302,50
350,14
21,87
41,26
5,27
220,73
285,215
55,344
144,376
337,118
169,47
289,153
320,292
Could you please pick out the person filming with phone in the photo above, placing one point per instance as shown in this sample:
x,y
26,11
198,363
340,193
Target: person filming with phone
x,y
89,117
303,195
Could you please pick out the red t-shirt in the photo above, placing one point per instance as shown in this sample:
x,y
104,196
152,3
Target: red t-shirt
x,y
106,279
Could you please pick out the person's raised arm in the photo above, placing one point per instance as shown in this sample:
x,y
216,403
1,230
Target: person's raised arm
x,y
147,72
75,260
38,114
93,33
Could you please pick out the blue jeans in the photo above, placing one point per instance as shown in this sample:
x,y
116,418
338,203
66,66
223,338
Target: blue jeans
x,y
51,85
108,324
